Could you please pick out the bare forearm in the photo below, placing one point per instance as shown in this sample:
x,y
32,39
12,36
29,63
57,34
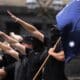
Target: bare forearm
x,y
31,29
59,56
8,38
8,50
3,46
21,48
28,27
13,53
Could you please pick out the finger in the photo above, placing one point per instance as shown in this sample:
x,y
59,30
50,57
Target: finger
x,y
9,12
53,49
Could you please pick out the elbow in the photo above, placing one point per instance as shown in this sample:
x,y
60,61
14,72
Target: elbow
x,y
62,58
59,57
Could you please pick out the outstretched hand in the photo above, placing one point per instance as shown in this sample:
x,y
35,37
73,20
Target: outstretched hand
x,y
16,36
12,16
51,51
1,33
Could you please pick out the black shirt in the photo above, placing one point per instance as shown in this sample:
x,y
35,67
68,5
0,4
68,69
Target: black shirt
x,y
28,66
9,66
36,57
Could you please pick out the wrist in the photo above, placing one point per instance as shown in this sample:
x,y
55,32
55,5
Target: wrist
x,y
16,20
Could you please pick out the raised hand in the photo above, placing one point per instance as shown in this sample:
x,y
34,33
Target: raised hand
x,y
16,37
51,51
12,16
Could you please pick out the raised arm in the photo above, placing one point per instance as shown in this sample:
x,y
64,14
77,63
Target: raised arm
x,y
21,48
16,36
7,49
13,40
7,38
28,27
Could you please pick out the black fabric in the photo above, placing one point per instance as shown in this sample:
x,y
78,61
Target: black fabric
x,y
21,69
71,50
37,44
8,63
36,58
55,34
54,70
7,59
10,72
33,65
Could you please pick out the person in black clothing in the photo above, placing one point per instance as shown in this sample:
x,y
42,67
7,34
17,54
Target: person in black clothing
x,y
30,59
6,60
6,72
19,55
33,60
54,69
11,68
56,64
36,33
7,68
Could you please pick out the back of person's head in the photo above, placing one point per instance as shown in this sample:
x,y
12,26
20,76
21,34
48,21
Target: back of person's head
x,y
28,39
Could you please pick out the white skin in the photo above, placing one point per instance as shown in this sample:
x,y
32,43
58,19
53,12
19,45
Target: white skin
x,y
59,55
14,41
7,38
20,47
16,37
37,34
7,49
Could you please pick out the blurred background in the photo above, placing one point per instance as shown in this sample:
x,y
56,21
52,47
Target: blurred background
x,y
40,13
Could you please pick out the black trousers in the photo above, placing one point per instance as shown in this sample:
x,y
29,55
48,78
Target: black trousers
x,y
54,70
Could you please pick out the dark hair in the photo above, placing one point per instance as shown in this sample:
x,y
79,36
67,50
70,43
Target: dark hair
x,y
28,39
